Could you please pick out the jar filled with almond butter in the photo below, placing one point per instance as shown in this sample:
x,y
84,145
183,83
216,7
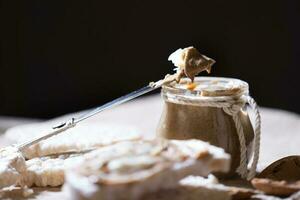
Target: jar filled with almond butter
x,y
212,109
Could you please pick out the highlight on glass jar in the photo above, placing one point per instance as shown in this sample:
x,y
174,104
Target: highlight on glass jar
x,y
214,109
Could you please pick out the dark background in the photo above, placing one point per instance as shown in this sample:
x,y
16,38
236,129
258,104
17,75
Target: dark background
x,y
63,56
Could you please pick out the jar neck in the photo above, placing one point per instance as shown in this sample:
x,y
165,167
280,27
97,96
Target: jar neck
x,y
215,89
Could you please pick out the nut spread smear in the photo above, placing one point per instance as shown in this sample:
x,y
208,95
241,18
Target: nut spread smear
x,y
189,63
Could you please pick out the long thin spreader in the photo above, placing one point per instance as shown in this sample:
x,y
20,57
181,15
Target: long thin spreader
x,y
72,123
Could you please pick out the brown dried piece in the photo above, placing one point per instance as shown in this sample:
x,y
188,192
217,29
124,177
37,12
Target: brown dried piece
x,y
287,168
273,187
281,178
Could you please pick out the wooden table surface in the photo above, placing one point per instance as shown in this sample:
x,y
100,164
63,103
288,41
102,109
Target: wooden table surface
x,y
280,130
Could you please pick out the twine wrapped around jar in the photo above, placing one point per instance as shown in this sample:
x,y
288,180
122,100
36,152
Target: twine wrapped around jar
x,y
231,105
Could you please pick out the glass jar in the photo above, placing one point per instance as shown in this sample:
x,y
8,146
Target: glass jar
x,y
185,114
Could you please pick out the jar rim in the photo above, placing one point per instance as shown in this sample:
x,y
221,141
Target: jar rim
x,y
232,87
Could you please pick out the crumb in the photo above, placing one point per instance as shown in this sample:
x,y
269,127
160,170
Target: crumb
x,y
191,86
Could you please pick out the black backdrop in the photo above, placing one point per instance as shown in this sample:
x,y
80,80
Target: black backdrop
x,y
63,56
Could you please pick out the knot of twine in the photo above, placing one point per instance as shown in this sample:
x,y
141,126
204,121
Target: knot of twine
x,y
232,105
